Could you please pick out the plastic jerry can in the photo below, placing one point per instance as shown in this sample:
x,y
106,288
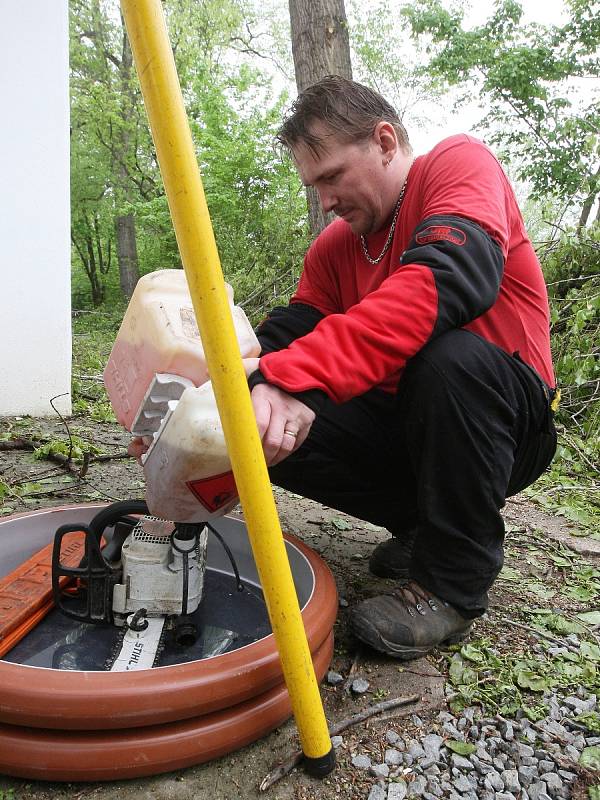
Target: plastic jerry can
x,y
159,335
187,468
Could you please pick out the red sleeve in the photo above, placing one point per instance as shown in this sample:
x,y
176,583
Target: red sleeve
x,y
347,354
464,178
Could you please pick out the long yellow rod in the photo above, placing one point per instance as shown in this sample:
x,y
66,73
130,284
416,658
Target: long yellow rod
x,y
155,65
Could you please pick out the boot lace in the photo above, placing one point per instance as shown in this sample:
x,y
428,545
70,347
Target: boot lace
x,y
415,599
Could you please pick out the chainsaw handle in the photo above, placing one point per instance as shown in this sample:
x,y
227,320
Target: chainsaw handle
x,y
94,575
110,515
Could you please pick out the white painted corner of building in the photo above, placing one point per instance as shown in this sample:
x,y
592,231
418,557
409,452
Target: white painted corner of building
x,y
35,323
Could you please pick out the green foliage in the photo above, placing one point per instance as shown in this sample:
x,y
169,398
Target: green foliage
x,y
74,448
571,268
460,748
571,487
255,198
505,682
94,333
591,720
590,758
544,116
385,59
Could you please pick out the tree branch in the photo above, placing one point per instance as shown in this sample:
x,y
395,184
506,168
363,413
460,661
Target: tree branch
x,y
295,758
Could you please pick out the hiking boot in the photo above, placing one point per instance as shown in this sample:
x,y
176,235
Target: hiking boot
x,y
391,559
408,623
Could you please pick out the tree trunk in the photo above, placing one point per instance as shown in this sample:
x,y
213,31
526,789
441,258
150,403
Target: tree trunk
x,y
320,46
125,223
127,253
588,204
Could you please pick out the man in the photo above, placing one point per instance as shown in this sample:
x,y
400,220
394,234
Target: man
x,y
408,382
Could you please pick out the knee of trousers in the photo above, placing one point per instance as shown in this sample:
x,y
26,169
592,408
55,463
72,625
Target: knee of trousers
x,y
458,374
453,356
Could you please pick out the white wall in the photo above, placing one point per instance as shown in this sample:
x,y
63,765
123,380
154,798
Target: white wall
x,y
35,320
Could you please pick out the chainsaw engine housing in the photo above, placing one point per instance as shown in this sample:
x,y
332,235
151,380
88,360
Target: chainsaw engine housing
x,y
152,559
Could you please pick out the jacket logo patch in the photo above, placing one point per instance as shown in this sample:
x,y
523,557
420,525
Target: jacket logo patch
x,y
439,233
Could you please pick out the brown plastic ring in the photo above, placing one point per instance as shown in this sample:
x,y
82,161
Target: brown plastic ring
x,y
47,698
54,755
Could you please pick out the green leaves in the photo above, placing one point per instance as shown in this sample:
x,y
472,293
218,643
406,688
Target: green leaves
x,y
590,758
555,623
509,681
75,447
530,75
591,720
460,748
527,679
590,617
472,653
461,675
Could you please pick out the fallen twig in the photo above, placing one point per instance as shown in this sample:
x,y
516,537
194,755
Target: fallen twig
x,y
110,456
347,687
85,465
541,634
443,701
288,765
65,423
19,443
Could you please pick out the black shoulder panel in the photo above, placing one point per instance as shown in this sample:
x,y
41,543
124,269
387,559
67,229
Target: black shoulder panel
x,y
467,266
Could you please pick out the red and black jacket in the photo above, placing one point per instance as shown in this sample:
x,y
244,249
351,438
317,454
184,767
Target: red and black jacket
x,y
460,257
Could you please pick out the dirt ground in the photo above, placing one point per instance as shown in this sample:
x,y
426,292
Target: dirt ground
x,y
345,544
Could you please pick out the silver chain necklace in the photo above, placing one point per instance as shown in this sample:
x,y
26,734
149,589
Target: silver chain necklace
x,y
388,242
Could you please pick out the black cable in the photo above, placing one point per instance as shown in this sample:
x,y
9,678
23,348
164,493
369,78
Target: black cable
x,y
184,599
239,584
184,554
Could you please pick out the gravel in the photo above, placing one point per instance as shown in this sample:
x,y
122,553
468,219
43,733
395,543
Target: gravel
x,y
513,758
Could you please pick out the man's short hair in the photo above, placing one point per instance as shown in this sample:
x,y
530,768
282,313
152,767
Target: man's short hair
x,y
348,109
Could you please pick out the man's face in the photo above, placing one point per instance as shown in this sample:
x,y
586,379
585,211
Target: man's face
x,y
350,179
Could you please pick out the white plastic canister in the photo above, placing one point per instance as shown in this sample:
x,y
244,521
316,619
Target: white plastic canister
x,y
159,334
151,376
187,469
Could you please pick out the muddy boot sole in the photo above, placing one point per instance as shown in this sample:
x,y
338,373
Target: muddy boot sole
x,y
371,636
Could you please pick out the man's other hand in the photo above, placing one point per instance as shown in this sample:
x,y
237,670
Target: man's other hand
x,y
137,447
283,421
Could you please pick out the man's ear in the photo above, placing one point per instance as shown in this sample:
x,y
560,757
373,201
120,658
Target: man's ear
x,y
386,139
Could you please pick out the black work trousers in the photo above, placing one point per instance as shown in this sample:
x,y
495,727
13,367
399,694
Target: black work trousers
x,y
469,426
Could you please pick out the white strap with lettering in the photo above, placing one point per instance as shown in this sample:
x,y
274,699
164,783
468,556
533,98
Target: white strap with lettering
x,y
139,648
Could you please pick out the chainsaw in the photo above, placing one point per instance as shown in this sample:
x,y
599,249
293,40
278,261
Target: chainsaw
x,y
147,580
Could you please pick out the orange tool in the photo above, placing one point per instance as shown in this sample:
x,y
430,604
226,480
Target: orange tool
x,y
26,593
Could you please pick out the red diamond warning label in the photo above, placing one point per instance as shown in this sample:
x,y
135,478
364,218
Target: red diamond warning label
x,y
214,492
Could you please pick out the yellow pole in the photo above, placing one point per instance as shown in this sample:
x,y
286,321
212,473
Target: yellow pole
x,y
175,150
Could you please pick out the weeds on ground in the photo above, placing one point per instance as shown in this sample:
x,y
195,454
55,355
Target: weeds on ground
x,y
567,655
572,486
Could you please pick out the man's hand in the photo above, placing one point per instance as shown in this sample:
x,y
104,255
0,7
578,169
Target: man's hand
x,y
283,421
137,447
